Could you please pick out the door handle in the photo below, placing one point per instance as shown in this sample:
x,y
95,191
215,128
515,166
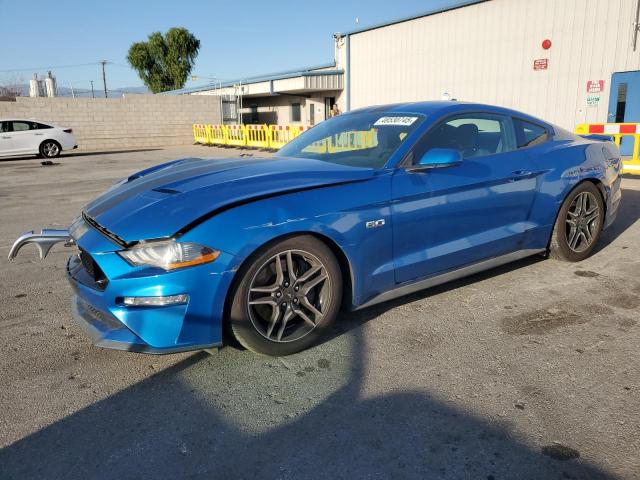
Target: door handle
x,y
520,174
6,138
38,133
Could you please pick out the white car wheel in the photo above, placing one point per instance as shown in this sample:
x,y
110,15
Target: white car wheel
x,y
50,149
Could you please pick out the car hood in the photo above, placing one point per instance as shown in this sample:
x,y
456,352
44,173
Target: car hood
x,y
163,200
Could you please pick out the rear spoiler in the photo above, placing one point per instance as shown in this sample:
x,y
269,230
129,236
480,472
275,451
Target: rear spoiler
x,y
598,138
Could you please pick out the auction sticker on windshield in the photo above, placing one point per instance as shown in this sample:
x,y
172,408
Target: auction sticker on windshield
x,y
405,121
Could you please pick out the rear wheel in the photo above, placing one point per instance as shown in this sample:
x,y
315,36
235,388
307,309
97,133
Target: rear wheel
x,y
50,149
287,297
578,225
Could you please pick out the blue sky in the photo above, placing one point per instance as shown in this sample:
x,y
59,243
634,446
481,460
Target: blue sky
x,y
238,38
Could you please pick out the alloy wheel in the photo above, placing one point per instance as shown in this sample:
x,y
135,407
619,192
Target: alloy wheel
x,y
50,149
289,295
583,220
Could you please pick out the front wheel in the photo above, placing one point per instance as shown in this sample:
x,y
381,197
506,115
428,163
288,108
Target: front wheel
x,y
50,149
287,297
579,224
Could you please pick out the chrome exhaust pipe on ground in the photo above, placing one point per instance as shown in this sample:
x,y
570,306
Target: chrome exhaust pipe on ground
x,y
44,240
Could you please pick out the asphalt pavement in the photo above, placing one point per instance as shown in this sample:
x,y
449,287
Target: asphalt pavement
x,y
527,371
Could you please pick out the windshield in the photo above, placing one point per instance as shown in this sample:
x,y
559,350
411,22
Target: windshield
x,y
358,139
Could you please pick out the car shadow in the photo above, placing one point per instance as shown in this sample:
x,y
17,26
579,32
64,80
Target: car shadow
x,y
349,320
107,152
240,415
628,214
74,153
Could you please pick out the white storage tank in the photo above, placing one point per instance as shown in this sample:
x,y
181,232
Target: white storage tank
x,y
50,86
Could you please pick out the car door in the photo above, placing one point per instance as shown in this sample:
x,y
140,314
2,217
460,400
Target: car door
x,y
6,140
26,138
446,218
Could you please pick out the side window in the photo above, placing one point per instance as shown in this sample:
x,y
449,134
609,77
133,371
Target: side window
x,y
295,112
40,126
21,126
473,135
4,127
529,134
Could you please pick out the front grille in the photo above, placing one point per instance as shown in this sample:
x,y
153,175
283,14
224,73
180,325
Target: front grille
x,y
92,268
95,316
87,262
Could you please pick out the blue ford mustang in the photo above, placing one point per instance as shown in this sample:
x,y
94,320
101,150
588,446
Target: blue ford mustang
x,y
362,208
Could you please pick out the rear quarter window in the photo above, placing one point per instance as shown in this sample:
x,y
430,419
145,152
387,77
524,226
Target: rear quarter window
x,y
529,134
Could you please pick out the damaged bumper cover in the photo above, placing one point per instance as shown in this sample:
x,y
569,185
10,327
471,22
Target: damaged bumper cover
x,y
103,281
44,240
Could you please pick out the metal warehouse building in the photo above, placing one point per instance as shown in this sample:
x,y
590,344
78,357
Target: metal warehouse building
x,y
567,61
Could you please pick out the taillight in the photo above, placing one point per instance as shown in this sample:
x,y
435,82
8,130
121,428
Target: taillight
x,y
68,130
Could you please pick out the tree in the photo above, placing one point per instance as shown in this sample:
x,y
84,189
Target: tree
x,y
165,62
12,86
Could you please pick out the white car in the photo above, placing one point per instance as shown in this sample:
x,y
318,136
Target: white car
x,y
31,137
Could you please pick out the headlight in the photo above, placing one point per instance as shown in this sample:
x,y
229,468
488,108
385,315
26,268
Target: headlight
x,y
169,255
78,228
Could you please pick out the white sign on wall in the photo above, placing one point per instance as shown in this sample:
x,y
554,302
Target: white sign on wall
x,y
594,89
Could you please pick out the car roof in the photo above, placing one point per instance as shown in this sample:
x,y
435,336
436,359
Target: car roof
x,y
51,124
23,120
444,107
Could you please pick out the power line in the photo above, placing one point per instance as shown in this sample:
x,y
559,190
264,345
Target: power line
x,y
51,67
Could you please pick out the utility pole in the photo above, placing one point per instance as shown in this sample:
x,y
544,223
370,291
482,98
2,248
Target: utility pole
x,y
104,77
92,94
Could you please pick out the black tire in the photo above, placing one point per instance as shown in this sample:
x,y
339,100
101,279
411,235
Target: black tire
x,y
572,243
50,149
251,318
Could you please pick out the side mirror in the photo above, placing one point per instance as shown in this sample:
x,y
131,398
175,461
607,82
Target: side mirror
x,y
438,158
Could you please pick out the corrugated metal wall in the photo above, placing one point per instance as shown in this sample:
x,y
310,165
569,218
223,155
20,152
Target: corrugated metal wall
x,y
324,82
485,53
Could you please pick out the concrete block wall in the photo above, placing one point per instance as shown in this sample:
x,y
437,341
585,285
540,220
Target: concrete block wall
x,y
136,121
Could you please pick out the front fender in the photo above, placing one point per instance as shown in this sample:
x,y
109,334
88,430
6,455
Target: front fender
x,y
339,213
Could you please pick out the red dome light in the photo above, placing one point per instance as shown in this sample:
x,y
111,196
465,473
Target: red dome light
x,y
546,44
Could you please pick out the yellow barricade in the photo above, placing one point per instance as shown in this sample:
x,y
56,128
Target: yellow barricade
x,y
280,135
258,136
199,133
207,134
617,131
298,129
218,135
355,140
321,146
236,135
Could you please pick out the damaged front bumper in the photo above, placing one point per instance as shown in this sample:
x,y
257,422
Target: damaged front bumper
x,y
44,240
103,281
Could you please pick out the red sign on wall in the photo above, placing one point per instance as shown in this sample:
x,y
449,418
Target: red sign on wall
x,y
541,64
595,86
